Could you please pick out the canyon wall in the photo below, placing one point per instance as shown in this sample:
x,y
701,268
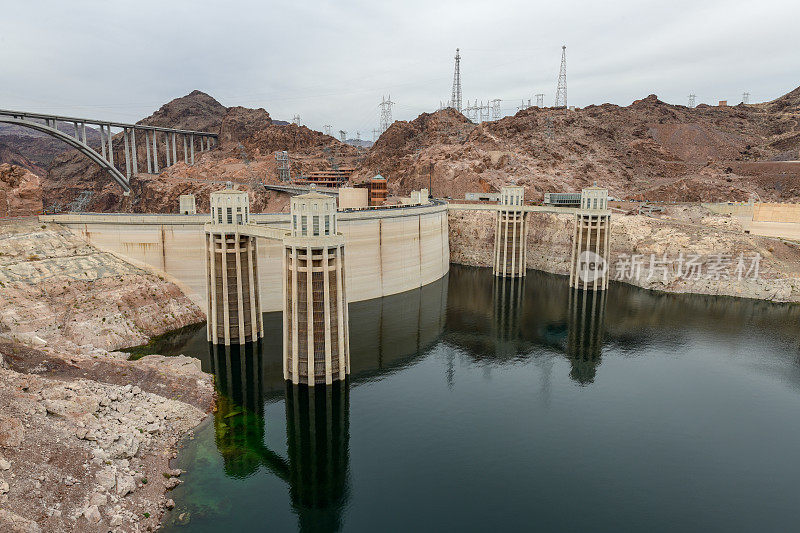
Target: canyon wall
x,y
634,239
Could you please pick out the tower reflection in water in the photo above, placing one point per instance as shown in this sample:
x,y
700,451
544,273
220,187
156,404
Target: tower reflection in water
x,y
316,462
503,321
394,332
507,318
585,333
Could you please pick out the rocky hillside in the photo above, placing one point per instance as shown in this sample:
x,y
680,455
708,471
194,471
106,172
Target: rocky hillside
x,y
13,157
39,148
20,192
58,290
648,149
85,434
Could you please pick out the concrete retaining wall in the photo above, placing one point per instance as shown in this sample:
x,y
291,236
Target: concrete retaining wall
x,y
776,212
387,251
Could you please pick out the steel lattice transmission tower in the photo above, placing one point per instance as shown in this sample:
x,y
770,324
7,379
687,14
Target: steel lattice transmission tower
x,y
691,99
561,90
455,99
496,109
343,135
540,100
745,98
386,113
296,119
282,159
327,129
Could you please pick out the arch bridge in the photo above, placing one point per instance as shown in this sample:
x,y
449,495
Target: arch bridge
x,y
103,155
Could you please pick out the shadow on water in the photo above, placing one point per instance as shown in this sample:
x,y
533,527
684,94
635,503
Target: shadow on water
x,y
489,321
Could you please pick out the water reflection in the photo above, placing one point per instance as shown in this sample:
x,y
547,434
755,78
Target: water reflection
x,y
585,333
504,320
316,462
470,319
392,333
318,437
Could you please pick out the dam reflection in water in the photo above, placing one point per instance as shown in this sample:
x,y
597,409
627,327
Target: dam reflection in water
x,y
377,451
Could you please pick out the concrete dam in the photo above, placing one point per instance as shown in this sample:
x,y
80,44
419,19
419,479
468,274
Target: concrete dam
x,y
389,251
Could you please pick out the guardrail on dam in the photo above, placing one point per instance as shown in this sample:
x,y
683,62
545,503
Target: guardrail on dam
x,y
389,251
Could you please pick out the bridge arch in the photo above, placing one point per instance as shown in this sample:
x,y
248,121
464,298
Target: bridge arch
x,y
83,148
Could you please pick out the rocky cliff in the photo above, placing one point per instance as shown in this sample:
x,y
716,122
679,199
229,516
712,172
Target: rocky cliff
x,y
20,192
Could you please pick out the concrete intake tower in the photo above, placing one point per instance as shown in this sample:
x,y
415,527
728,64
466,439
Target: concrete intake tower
x,y
589,267
511,234
316,344
234,306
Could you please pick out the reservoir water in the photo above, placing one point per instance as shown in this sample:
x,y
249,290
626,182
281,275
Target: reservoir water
x,y
477,404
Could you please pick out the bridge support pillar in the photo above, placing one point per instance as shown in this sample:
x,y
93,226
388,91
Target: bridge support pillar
x,y
316,337
103,142
185,147
166,149
589,268
510,234
155,151
174,149
126,142
234,301
148,153
134,152
110,145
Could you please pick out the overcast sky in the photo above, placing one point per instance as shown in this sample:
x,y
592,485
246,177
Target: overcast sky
x,y
330,62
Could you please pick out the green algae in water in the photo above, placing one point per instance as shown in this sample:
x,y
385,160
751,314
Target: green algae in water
x,y
170,343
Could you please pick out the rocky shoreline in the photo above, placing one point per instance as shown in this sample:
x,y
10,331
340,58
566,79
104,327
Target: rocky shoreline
x,y
86,435
691,231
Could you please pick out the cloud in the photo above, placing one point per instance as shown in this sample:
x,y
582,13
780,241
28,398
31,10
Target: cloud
x,y
330,61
